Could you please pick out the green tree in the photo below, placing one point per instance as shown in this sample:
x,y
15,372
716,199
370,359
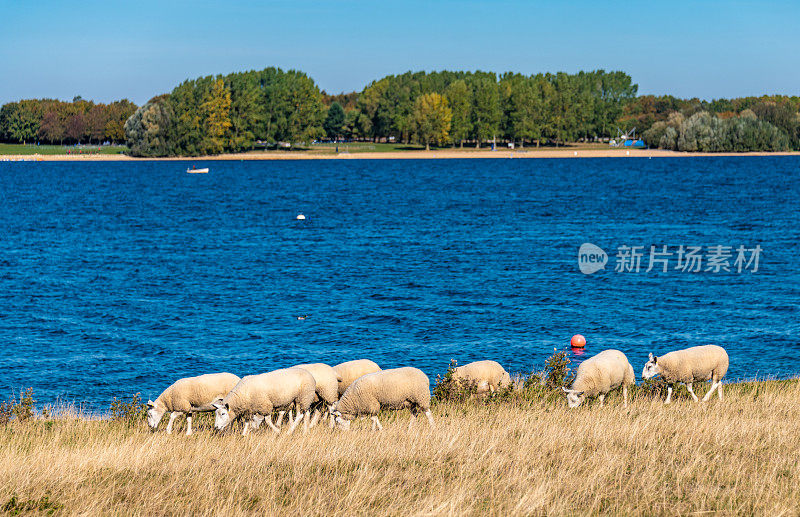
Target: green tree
x,y
432,119
245,115
216,109
334,121
486,110
305,108
459,99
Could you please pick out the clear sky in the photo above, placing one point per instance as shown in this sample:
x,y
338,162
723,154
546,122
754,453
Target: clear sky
x,y
112,49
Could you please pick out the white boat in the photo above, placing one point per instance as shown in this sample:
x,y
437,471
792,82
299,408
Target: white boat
x,y
197,171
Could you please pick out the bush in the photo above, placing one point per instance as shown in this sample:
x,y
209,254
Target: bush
x,y
651,388
42,505
452,390
22,409
556,370
131,411
706,132
6,411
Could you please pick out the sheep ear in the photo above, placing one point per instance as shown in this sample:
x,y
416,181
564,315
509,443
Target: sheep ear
x,y
217,404
651,358
150,403
566,390
580,393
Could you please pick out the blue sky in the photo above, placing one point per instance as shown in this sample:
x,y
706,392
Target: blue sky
x,y
110,50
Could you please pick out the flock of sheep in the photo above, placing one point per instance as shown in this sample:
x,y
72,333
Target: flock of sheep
x,y
348,390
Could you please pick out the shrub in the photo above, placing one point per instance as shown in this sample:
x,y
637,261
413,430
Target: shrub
x,y
42,505
131,411
6,411
556,369
651,388
24,409
453,390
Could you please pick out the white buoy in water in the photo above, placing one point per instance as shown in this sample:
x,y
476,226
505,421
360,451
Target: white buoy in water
x,y
301,217
576,153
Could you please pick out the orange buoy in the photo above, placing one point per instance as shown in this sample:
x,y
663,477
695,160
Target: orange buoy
x,y
577,341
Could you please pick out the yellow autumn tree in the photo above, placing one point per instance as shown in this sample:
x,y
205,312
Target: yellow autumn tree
x,y
432,118
216,110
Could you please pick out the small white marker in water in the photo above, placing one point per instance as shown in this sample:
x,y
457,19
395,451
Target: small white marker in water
x,y
576,153
301,217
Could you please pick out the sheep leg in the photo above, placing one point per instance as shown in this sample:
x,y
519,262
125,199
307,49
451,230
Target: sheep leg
x,y
172,417
306,416
188,424
279,423
257,421
602,398
691,391
669,395
294,424
411,421
375,423
430,417
315,418
246,428
625,396
716,385
719,389
268,420
331,420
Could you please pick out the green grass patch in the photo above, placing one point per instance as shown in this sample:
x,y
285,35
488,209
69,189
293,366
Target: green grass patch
x,y
31,149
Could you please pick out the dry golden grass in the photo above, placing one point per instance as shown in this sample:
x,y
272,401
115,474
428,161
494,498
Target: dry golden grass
x,y
738,456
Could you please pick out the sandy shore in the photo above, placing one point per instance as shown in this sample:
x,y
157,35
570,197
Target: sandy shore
x,y
395,155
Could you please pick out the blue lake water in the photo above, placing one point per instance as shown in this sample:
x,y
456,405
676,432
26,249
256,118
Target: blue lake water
x,y
118,278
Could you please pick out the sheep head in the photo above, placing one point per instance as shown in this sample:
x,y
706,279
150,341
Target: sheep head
x,y
155,410
222,414
652,368
341,421
574,397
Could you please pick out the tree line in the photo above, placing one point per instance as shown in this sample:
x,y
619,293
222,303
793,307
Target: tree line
x,y
52,121
238,111
230,113
766,123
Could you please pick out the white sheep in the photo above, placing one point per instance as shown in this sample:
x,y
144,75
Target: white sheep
x,y
188,396
599,375
397,388
327,390
487,375
351,370
695,364
256,396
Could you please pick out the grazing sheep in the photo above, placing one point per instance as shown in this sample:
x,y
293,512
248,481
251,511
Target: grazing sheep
x,y
327,388
487,375
599,375
190,395
695,364
390,389
352,370
256,396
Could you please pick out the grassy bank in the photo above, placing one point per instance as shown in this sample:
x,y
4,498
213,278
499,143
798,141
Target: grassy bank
x,y
49,150
526,454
